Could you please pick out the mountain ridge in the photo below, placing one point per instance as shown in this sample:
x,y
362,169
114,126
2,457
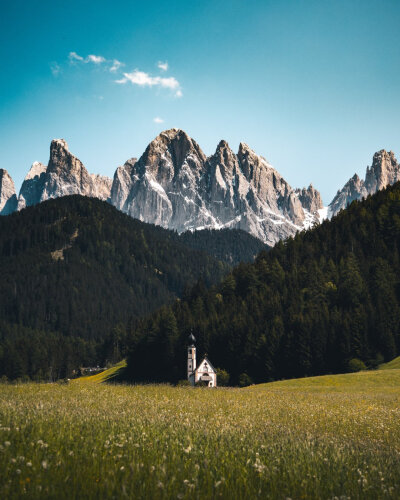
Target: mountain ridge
x,y
175,185
384,171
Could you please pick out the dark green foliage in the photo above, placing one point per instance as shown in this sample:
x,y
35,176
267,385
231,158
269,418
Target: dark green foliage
x,y
242,247
74,272
356,365
108,268
244,380
222,377
40,355
307,307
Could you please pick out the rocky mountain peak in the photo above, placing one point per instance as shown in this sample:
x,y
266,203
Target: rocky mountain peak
x,y
8,197
384,171
62,159
64,175
225,158
179,143
58,151
122,183
244,148
222,145
58,144
251,163
173,184
32,186
354,189
310,199
36,170
168,153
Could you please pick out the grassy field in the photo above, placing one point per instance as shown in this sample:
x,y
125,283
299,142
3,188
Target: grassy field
x,y
324,437
394,364
100,378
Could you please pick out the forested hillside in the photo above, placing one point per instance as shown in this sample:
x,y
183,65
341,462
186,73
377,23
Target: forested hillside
x,y
309,306
228,245
78,268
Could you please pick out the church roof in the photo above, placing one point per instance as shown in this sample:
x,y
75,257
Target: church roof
x,y
209,364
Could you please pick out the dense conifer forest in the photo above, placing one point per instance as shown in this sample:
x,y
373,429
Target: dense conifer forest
x,y
321,302
74,272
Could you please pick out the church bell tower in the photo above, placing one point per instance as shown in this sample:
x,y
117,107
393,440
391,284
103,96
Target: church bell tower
x,y
191,360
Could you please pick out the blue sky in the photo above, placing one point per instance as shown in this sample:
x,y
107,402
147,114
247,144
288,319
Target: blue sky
x,y
311,85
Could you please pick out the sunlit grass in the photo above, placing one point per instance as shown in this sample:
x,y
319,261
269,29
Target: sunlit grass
x,y
105,376
394,364
323,437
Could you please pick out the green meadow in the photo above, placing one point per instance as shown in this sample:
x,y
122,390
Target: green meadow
x,y
323,437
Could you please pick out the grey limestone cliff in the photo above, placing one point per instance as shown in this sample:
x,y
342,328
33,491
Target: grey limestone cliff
x,y
8,197
384,171
175,185
64,175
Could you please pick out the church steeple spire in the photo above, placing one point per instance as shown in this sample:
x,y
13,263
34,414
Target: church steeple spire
x,y
191,360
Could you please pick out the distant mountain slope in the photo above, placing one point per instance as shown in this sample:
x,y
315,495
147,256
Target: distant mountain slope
x,y
228,245
307,307
384,171
78,266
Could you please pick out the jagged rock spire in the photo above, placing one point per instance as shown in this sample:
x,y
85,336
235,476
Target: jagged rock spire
x,y
173,184
8,197
384,171
64,175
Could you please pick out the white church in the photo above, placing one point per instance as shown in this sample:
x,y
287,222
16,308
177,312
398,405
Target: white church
x,y
205,372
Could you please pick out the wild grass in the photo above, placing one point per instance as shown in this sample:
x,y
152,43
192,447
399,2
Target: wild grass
x,y
394,364
104,376
324,437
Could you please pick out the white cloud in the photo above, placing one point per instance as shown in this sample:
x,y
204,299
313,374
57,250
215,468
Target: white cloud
x,y
73,56
145,80
163,65
136,77
157,119
55,68
95,59
116,65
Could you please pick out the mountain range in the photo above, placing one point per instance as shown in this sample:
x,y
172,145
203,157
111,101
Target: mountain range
x,y
175,185
83,283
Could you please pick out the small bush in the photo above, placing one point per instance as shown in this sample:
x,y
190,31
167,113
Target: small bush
x,y
245,380
356,365
375,362
222,377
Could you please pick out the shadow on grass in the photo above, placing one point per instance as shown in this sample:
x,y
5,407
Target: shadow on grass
x,y
117,377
